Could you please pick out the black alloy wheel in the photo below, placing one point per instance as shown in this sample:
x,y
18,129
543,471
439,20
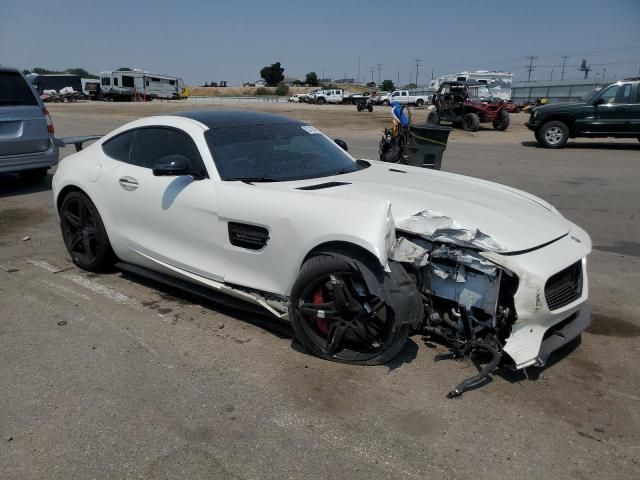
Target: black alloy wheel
x,y
83,233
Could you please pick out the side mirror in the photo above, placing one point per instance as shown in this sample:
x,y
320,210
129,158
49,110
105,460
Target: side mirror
x,y
599,101
172,166
342,144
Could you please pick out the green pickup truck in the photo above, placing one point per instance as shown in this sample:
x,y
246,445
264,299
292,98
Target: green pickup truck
x,y
613,111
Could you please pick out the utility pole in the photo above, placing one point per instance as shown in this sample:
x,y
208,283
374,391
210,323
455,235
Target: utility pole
x,y
432,74
373,69
603,71
398,83
322,79
379,67
564,62
417,66
358,80
551,74
530,68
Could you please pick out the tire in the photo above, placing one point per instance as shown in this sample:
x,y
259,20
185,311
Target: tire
x,y
335,336
84,234
502,120
321,101
419,103
33,176
370,108
554,134
433,118
359,107
471,122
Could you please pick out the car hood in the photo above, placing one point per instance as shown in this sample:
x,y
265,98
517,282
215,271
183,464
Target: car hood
x,y
438,205
559,106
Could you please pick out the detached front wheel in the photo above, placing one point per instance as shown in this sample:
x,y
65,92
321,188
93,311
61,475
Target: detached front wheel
x,y
336,317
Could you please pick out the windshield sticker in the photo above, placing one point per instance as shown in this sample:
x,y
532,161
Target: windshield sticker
x,y
310,129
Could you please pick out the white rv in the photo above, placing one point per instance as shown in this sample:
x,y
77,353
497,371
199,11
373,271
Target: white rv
x,y
130,84
499,83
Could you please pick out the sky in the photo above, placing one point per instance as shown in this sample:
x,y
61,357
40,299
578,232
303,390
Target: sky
x,y
203,41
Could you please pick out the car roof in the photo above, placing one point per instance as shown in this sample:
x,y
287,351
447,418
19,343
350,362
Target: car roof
x,y
8,69
235,118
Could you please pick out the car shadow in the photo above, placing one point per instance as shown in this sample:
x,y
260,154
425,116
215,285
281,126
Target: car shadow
x,y
11,184
587,146
265,321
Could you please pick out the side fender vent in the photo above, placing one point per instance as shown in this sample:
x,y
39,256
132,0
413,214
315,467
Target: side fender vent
x,y
321,186
251,237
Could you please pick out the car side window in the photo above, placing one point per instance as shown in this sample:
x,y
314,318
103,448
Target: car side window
x,y
616,94
152,144
119,147
637,99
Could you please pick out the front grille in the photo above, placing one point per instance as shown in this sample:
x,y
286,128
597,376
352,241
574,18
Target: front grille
x,y
564,287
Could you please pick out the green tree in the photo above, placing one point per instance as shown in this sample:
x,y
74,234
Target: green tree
x,y
272,74
81,72
311,79
387,86
409,86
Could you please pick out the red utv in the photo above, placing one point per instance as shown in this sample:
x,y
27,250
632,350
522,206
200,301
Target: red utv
x,y
468,104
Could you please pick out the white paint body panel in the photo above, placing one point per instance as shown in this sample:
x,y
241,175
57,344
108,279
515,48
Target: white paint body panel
x,y
178,226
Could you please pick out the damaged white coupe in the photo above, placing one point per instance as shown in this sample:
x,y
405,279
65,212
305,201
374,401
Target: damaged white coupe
x,y
258,209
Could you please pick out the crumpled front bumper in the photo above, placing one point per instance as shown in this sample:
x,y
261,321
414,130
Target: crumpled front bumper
x,y
539,330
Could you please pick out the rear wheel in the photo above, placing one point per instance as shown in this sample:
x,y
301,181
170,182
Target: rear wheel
x,y
554,134
33,176
420,102
359,107
321,101
336,317
84,234
471,122
370,108
502,120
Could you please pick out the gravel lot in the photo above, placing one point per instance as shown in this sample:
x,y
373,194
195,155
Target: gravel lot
x,y
108,376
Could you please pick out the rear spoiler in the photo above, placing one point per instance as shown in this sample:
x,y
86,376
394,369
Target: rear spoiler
x,y
77,141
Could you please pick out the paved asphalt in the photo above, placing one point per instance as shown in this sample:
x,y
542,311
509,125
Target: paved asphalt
x,y
109,376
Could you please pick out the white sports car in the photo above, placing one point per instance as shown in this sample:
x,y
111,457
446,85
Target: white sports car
x,y
355,254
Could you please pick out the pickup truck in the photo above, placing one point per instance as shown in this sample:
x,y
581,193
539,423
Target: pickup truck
x,y
408,97
613,111
333,95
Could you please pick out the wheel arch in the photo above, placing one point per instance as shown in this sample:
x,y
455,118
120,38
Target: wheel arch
x,y
345,247
66,191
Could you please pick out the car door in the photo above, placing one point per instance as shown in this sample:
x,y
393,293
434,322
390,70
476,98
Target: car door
x,y
165,221
613,109
634,111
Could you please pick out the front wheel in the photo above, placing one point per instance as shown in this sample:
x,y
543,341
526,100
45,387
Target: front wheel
x,y
471,122
321,101
336,317
433,118
370,108
554,134
84,234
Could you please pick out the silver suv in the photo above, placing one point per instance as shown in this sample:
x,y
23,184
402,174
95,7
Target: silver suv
x,y
26,132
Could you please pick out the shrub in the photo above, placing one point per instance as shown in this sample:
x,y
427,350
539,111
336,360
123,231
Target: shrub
x,y
261,91
282,90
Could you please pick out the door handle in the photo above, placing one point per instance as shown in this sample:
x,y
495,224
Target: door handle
x,y
128,183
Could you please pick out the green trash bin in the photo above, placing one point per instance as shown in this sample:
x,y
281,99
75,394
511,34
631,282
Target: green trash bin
x,y
427,144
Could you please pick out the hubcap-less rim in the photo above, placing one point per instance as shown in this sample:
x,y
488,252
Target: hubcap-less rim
x,y
80,231
554,135
356,321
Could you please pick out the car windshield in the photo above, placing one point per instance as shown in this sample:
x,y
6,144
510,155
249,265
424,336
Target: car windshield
x,y
276,152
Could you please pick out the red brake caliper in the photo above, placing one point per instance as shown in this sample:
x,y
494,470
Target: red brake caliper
x,y
321,323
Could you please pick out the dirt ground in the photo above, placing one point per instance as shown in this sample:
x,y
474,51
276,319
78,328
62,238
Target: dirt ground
x,y
109,376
